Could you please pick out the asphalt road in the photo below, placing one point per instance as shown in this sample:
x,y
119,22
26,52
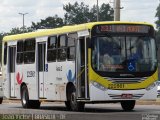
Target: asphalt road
x,y
57,111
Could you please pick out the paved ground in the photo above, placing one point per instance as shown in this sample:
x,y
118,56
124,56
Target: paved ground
x,y
57,111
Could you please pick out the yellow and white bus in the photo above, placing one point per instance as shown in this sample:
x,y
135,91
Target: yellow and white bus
x,y
95,62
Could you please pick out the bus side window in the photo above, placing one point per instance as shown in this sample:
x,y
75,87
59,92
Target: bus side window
x,y
62,48
5,53
71,46
52,49
29,51
19,52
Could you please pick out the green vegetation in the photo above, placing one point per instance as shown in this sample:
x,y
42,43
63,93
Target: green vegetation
x,y
158,23
74,14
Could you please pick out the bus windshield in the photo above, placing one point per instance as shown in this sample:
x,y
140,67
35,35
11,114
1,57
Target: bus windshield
x,y
124,54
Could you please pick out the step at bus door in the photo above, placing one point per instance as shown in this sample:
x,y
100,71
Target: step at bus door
x,y
81,69
41,68
12,54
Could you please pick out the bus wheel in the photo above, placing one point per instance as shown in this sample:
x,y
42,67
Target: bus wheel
x,y
128,105
74,104
1,100
35,104
67,104
25,97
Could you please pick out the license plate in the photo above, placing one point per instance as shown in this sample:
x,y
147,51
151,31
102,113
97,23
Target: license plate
x,y
126,96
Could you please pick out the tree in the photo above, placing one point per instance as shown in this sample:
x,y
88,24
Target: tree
x,y
106,13
80,13
76,14
158,23
48,23
19,30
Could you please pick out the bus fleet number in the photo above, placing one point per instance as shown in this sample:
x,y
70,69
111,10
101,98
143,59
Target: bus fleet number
x,y
116,86
30,73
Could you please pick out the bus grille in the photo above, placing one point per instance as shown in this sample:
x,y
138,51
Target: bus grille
x,y
135,96
126,80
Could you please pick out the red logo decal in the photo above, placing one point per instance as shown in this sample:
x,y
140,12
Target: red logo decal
x,y
19,80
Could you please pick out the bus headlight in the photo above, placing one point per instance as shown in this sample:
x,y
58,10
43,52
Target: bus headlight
x,y
99,86
151,86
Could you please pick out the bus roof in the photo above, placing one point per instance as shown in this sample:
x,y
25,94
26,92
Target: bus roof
x,y
64,29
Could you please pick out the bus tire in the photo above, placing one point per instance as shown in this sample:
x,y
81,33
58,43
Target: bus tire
x,y
128,105
74,104
67,104
25,97
1,100
35,104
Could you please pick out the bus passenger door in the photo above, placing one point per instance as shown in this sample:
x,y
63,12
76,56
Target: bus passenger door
x,y
81,69
12,54
41,68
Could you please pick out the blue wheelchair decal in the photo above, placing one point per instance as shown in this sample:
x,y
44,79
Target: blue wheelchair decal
x,y
131,66
70,76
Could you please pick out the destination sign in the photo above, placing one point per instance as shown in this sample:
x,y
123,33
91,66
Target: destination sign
x,y
123,28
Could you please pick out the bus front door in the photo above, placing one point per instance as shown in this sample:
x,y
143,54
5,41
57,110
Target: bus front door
x,y
41,68
12,54
81,69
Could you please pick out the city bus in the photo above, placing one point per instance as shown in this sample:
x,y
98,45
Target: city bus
x,y
97,62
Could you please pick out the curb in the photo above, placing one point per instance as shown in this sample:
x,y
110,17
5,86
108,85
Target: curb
x,y
11,101
148,102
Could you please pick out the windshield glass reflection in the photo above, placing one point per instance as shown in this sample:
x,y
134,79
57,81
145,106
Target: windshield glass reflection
x,y
124,53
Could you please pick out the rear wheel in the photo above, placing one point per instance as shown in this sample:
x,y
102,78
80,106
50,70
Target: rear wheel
x,y
26,103
35,103
25,97
1,100
128,105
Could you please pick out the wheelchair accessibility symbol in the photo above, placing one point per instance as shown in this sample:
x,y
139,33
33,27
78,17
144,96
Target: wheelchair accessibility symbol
x,y
131,67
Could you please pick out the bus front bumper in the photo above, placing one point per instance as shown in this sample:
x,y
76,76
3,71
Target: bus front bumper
x,y
100,94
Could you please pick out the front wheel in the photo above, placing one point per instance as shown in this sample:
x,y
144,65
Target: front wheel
x,y
67,104
74,104
128,105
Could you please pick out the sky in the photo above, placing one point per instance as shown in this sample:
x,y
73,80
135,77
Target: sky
x,y
133,10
